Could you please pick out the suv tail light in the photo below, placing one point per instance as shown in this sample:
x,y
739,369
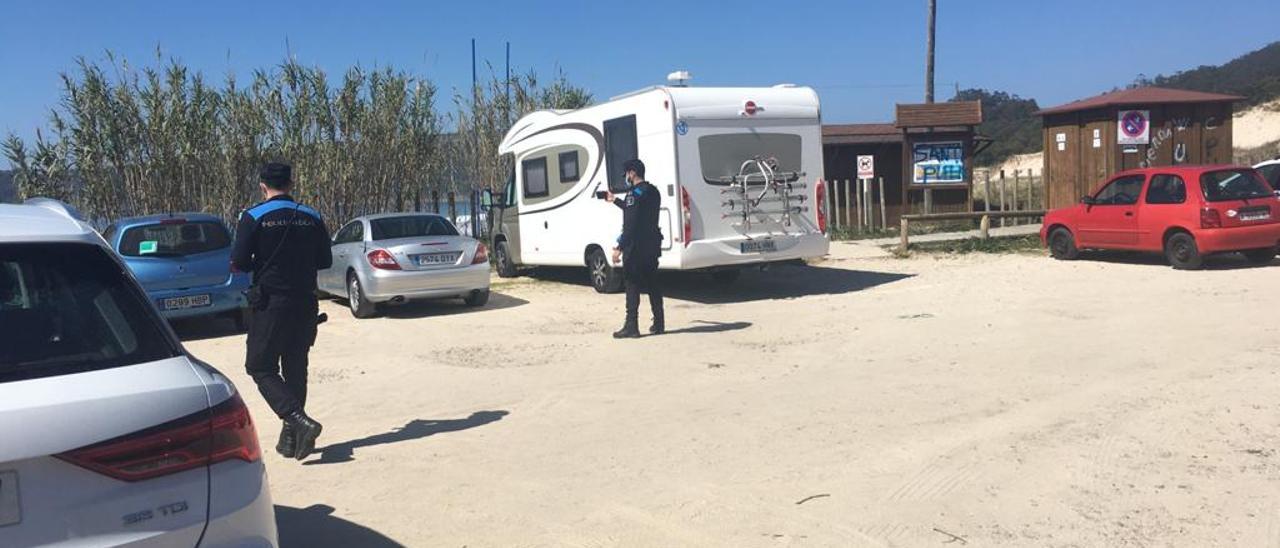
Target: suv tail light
x,y
200,439
687,215
820,201
482,254
234,270
1209,218
381,258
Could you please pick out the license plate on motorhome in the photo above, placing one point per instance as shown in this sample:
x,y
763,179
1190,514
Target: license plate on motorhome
x,y
10,509
191,301
430,259
757,246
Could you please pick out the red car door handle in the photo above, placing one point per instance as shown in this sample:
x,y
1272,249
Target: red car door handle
x,y
1128,214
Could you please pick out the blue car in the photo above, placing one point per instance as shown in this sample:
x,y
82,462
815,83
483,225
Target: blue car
x,y
184,262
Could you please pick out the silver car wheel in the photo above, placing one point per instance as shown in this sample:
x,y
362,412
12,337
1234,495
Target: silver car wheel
x,y
353,294
599,272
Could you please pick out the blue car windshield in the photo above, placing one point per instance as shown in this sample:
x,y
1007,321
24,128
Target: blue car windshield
x,y
174,238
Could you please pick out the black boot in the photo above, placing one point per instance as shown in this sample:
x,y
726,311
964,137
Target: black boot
x,y
659,326
288,444
629,331
305,430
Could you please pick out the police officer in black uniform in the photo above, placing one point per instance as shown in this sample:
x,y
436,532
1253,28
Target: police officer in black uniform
x,y
640,245
283,243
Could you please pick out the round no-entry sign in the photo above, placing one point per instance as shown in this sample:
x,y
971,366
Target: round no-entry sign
x,y
1134,123
1134,127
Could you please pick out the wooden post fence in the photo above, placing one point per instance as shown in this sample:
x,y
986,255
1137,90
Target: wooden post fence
x,y
1002,203
1017,180
905,222
986,190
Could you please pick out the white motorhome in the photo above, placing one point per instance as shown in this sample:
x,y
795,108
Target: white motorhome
x,y
738,169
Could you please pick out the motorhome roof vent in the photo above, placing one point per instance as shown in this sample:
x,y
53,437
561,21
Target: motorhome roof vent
x,y
680,78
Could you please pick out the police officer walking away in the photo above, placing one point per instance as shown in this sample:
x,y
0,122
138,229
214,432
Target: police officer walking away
x,y
639,246
283,243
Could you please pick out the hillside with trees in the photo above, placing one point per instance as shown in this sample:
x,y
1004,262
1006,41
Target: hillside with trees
x,y
1254,76
1011,120
1007,118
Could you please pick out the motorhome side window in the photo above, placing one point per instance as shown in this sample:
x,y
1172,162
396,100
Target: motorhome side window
x,y
535,177
569,167
620,145
722,155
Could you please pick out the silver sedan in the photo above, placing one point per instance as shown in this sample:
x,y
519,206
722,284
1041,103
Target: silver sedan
x,y
399,257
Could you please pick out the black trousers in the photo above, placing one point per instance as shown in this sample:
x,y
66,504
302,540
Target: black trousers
x,y
641,275
281,332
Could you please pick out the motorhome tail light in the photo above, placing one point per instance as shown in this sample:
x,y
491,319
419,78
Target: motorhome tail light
x,y
1209,218
750,108
200,439
381,258
482,254
687,214
820,200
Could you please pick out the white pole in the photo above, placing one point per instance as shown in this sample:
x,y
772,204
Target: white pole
x,y
884,219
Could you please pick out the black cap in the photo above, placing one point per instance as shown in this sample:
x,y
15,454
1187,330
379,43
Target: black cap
x,y
633,165
276,175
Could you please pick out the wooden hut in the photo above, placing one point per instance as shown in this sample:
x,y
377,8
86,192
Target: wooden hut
x,y
1089,140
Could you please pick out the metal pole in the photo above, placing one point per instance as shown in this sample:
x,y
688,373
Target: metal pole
x,y
453,208
928,63
848,205
858,200
508,84
884,219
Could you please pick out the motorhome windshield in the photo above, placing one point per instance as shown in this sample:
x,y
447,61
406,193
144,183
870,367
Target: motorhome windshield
x,y
723,155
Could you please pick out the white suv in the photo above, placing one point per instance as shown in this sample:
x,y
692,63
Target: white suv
x,y
110,432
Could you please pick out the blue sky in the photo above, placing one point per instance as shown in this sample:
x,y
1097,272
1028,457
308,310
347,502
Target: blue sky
x,y
861,56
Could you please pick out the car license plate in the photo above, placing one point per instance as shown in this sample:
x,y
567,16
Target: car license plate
x,y
758,246
10,509
191,301
1261,216
430,259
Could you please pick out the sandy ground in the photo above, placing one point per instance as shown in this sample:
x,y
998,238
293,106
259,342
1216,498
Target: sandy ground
x,y
866,401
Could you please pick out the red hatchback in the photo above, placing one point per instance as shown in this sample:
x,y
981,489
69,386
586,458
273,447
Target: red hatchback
x,y
1185,212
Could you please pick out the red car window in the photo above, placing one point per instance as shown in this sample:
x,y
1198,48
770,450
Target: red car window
x,y
1167,189
1122,191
